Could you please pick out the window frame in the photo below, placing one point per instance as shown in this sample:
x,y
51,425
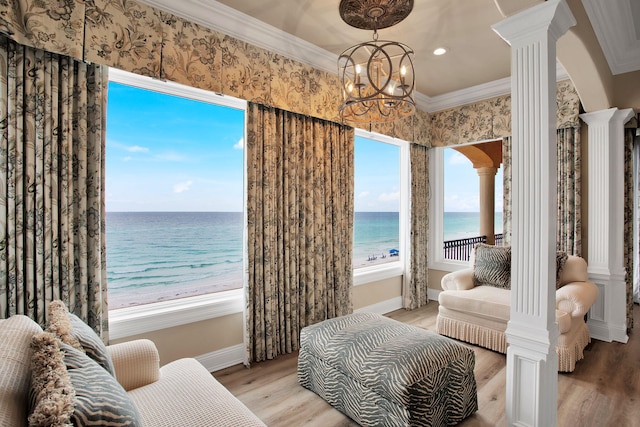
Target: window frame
x,y
364,275
437,261
128,321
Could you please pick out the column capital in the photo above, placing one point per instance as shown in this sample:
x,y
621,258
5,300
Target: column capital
x,y
486,170
553,17
608,116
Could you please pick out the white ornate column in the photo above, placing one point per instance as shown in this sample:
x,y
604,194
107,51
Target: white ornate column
x,y
532,362
607,317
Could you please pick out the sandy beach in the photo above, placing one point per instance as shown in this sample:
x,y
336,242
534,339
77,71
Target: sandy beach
x,y
151,294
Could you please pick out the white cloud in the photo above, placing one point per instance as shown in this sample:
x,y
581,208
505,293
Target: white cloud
x,y
136,149
125,147
458,203
170,157
363,194
388,197
239,145
126,159
458,159
182,186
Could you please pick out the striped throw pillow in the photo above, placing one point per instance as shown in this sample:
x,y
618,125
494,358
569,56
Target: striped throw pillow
x,y
73,331
100,399
492,266
69,388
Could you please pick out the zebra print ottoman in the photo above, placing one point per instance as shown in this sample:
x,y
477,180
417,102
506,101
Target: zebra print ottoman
x,y
381,372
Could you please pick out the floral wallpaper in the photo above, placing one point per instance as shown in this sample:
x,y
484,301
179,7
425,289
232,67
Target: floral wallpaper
x,y
123,34
192,55
56,26
139,38
491,118
136,37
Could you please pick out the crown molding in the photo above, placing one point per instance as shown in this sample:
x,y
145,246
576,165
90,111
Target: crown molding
x,y
617,28
222,18
480,92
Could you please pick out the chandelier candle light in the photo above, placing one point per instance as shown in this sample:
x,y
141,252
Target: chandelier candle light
x,y
377,76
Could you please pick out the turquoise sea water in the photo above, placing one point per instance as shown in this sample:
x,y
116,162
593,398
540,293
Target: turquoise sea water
x,y
148,252
461,225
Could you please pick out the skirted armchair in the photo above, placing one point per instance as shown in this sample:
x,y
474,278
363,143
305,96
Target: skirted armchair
x,y
475,303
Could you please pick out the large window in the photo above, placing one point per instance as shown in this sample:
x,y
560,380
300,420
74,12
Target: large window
x,y
462,197
455,207
174,183
379,191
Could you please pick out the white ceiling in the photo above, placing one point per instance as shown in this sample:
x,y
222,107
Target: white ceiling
x,y
476,66
475,54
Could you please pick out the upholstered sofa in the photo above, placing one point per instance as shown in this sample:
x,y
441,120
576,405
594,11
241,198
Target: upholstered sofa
x,y
181,393
472,311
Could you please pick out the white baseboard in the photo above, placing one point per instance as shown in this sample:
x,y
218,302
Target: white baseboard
x,y
432,294
607,333
382,307
223,358
234,355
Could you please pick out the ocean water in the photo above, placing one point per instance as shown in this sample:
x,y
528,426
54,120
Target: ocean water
x,y
461,225
374,235
162,255
152,251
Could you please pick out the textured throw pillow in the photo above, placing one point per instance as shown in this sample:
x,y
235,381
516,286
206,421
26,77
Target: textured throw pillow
x,y
73,331
561,259
492,266
52,396
100,399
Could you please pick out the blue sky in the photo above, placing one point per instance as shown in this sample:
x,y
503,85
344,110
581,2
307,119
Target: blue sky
x,y
166,153
377,176
461,184
172,154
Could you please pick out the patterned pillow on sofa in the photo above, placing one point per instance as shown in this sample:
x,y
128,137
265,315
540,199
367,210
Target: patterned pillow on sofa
x,y
52,397
561,259
100,399
492,266
73,331
69,388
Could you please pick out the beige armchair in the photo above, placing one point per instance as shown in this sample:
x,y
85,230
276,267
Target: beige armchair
x,y
479,314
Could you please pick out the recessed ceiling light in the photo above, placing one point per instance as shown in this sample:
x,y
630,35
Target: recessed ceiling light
x,y
440,51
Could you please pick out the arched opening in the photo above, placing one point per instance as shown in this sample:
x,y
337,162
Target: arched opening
x,y
486,158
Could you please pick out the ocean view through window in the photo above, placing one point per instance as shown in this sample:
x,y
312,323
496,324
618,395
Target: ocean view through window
x,y
175,193
460,204
377,202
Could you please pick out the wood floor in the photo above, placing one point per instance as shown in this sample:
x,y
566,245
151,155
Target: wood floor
x,y
604,390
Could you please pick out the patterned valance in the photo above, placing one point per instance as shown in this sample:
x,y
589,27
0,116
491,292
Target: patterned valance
x,y
491,118
135,37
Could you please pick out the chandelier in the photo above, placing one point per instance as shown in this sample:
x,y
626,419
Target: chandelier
x,y
377,76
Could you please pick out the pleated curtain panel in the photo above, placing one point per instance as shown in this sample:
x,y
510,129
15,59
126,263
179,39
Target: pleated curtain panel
x,y
630,259
299,227
416,282
569,181
52,231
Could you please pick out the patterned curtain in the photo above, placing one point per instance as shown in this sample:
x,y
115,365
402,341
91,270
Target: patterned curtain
x,y
569,229
506,190
300,227
569,174
416,283
628,220
52,246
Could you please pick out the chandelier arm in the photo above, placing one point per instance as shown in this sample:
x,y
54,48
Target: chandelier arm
x,y
380,87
